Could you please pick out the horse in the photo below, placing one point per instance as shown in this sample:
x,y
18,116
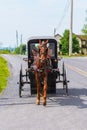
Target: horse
x,y
41,67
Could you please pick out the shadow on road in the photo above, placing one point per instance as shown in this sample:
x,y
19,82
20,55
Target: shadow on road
x,y
76,97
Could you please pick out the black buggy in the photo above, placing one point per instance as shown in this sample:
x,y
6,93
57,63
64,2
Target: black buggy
x,y
54,77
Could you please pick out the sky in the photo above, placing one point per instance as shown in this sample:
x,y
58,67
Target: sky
x,y
38,18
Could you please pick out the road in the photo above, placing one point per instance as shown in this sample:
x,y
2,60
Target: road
x,y
61,113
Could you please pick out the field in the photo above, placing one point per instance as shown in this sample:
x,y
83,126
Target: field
x,y
4,73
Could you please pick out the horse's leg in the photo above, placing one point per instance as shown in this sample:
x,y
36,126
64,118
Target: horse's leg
x,y
45,90
38,89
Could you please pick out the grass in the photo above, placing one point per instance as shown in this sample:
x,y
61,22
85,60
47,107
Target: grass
x,y
4,74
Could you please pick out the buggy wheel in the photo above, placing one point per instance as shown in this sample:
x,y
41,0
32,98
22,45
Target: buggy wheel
x,y
65,82
20,83
63,74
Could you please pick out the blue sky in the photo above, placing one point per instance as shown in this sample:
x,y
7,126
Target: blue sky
x,y
38,18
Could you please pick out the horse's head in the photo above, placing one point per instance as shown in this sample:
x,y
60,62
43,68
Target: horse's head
x,y
43,53
41,59
43,49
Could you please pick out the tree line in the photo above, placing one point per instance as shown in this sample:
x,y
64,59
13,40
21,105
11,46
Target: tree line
x,y
20,49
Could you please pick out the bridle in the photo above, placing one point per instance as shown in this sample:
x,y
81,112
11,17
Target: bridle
x,y
43,61
43,50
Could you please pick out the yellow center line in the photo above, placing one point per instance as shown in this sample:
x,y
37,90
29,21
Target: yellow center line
x,y
84,73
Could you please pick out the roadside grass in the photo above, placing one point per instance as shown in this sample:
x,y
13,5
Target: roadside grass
x,y
5,52
4,74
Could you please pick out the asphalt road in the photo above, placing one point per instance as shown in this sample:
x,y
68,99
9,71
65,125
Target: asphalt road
x,y
61,113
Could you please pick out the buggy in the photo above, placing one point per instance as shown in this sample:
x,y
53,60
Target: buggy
x,y
54,77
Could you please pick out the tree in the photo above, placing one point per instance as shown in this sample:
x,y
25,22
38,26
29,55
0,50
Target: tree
x,y
84,29
20,49
17,50
65,43
23,48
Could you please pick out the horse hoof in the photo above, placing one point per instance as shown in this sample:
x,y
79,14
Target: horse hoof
x,y
37,102
44,103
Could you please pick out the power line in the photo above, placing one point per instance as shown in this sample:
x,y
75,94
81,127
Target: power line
x,y
64,14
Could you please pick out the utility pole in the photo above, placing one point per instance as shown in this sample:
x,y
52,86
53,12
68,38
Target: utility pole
x,y
21,44
17,38
54,32
71,26
21,39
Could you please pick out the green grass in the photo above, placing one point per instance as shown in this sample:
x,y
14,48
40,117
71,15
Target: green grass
x,y
5,52
4,74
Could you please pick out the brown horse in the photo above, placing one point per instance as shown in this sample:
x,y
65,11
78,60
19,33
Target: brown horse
x,y
41,63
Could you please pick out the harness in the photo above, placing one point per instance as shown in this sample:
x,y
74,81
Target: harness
x,y
45,66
